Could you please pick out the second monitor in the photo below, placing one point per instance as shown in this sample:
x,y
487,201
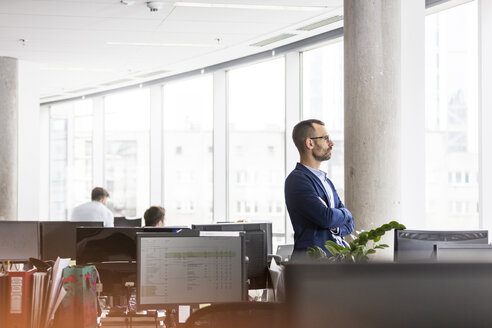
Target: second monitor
x,y
418,245
258,239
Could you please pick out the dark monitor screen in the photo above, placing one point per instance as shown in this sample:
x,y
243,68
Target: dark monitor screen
x,y
258,240
418,245
111,244
58,238
113,251
389,295
121,221
188,269
19,240
108,244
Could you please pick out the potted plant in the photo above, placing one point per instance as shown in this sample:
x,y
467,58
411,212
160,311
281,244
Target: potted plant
x,y
358,250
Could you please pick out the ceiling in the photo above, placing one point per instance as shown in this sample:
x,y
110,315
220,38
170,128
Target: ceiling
x,y
85,46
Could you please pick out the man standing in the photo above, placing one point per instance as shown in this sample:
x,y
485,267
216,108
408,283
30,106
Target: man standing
x,y
316,212
95,210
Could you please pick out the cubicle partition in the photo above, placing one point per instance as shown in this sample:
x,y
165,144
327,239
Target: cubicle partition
x,y
19,240
389,295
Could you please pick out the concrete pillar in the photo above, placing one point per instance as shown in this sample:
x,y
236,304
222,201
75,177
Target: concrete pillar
x,y
8,137
372,32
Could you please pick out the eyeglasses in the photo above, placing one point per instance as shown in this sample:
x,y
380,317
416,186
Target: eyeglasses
x,y
326,138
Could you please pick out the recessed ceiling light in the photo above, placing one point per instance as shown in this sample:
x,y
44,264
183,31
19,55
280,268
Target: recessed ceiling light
x,y
150,44
80,69
245,6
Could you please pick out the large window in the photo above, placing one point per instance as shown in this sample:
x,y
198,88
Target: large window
x,y
126,151
70,157
452,118
58,163
82,152
188,151
322,98
256,149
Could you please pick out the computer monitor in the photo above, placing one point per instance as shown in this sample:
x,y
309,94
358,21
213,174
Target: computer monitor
x,y
418,245
106,244
258,245
178,270
121,221
113,250
388,295
285,251
463,253
19,240
58,238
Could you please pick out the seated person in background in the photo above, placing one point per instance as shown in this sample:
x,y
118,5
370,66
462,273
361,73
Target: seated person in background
x,y
154,216
96,209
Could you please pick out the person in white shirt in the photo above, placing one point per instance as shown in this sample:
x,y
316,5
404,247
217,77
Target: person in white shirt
x,y
95,210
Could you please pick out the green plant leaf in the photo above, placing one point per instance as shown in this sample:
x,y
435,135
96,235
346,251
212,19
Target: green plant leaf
x,y
316,253
332,247
357,250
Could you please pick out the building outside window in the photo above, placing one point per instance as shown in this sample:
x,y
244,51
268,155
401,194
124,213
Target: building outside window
x,y
188,161
322,98
256,113
126,151
70,157
451,104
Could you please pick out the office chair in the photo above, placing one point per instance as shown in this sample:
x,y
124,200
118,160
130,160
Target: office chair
x,y
238,315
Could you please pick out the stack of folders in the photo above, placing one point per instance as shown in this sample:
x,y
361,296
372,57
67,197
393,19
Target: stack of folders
x,y
39,298
19,298
55,292
29,299
4,297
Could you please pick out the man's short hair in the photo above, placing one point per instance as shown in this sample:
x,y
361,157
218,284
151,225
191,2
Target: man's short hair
x,y
99,193
303,130
153,215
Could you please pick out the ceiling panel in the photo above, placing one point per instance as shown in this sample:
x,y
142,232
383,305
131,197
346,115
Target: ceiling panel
x,y
199,15
68,38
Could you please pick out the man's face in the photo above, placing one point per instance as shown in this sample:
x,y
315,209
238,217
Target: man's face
x,y
322,147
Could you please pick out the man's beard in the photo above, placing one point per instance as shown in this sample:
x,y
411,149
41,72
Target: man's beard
x,y
322,157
